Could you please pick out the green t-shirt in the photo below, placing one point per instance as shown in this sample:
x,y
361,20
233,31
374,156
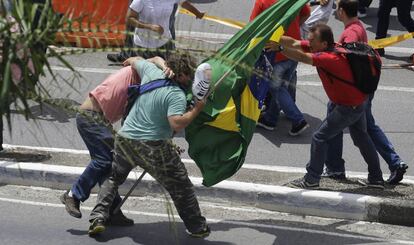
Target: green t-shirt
x,y
148,118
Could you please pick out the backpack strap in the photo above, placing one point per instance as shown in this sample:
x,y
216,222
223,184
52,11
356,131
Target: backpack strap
x,y
134,91
331,75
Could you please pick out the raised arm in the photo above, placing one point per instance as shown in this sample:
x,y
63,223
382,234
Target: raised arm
x,y
187,5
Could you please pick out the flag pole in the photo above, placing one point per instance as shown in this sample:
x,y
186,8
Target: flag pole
x,y
129,192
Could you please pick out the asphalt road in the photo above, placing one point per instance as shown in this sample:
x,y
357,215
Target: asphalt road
x,y
35,216
393,105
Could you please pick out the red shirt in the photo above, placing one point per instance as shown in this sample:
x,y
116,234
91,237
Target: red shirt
x,y
294,28
338,91
353,32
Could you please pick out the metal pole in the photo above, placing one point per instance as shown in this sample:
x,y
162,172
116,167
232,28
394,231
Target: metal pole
x,y
129,192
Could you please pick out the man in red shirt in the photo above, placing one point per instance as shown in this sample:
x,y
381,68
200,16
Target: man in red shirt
x,y
283,84
349,103
335,165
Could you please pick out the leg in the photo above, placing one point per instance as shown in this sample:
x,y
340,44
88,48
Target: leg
x,y
361,139
404,14
340,118
383,15
109,189
99,141
334,161
381,142
166,167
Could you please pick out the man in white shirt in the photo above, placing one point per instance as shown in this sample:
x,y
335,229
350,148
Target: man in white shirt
x,y
151,19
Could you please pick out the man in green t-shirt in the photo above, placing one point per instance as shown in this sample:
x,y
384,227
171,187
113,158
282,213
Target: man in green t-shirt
x,y
145,140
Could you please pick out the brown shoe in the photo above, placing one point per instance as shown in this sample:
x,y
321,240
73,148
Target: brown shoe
x,y
71,204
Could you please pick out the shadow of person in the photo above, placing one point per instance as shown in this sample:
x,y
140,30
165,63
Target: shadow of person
x,y
59,110
157,233
281,134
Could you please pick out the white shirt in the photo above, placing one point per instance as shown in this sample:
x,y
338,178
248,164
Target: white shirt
x,y
320,14
153,12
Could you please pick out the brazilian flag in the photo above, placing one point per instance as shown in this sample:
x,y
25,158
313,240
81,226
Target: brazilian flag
x,y
218,138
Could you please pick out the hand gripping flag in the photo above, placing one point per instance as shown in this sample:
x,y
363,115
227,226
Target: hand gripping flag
x,y
218,138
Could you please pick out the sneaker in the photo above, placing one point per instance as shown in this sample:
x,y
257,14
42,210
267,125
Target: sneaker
x,y
266,125
298,129
333,175
96,227
381,52
377,184
115,57
398,174
204,232
119,219
303,184
71,204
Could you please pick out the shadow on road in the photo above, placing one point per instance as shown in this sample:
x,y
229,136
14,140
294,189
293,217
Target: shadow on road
x,y
281,134
256,231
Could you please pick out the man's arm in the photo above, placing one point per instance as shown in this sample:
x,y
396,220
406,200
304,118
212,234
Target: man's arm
x,y
179,122
298,55
187,5
285,41
156,60
133,20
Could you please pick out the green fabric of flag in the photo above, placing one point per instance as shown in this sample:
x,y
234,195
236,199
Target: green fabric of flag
x,y
219,137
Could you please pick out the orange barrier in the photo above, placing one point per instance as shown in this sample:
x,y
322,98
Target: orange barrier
x,y
102,22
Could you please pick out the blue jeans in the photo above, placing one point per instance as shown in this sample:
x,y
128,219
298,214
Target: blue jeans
x,y
339,118
384,147
96,133
283,74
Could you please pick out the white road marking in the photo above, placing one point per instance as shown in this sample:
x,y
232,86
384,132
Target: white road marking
x,y
283,169
307,71
238,223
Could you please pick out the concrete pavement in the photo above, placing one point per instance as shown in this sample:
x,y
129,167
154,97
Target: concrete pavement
x,y
264,188
32,215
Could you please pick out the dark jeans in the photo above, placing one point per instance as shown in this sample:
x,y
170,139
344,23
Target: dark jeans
x,y
404,16
339,118
96,133
160,159
384,147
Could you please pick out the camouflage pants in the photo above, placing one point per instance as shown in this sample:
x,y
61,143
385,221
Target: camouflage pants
x,y
162,162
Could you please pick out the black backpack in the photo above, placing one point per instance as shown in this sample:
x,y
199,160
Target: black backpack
x,y
134,91
365,64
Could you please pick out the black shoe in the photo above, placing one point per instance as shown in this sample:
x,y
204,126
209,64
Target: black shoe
x,y
377,184
333,175
398,174
115,57
362,12
303,184
381,52
266,125
71,204
96,227
119,219
204,232
298,129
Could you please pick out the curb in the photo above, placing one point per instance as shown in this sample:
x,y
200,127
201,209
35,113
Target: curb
x,y
276,198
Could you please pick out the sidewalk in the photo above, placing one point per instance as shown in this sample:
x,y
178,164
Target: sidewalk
x,y
254,185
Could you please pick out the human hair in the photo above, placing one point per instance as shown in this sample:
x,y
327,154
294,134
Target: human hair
x,y
350,7
325,34
181,63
